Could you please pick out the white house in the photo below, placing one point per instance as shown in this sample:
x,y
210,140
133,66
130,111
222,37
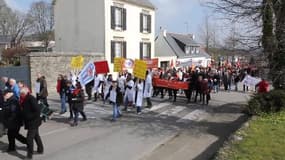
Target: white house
x,y
179,49
113,28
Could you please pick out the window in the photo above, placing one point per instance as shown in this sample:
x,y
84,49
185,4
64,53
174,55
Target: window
x,y
118,18
187,50
145,50
118,49
145,23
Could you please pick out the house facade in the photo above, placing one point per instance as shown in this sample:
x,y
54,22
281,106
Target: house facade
x,y
179,50
112,28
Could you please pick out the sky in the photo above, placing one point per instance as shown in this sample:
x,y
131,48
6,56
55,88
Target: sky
x,y
179,16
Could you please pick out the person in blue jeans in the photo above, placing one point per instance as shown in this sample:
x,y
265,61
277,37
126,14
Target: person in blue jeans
x,y
116,99
63,89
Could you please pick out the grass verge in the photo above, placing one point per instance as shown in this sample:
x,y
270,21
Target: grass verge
x,y
262,139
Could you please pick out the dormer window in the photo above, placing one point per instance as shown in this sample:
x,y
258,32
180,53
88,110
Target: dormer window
x,y
187,49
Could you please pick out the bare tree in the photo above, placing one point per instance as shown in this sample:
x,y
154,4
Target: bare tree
x,y
43,20
208,34
14,24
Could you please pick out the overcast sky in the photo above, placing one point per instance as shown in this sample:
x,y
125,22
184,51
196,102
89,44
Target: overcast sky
x,y
179,16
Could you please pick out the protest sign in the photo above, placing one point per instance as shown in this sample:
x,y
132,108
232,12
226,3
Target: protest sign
x,y
77,62
101,67
250,81
152,63
118,64
128,64
87,73
140,69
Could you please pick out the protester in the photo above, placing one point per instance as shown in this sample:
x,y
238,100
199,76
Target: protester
x,y
41,89
62,92
12,119
139,99
15,88
107,85
148,88
77,103
263,86
97,86
128,98
116,99
32,121
69,91
6,80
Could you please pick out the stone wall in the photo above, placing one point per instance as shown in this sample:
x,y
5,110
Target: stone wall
x,y
52,64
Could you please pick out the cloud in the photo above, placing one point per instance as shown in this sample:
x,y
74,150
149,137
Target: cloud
x,y
14,5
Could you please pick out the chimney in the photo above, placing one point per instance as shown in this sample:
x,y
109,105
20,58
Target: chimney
x,y
164,33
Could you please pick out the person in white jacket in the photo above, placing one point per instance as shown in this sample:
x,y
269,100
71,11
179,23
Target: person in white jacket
x,y
139,99
98,79
128,99
148,88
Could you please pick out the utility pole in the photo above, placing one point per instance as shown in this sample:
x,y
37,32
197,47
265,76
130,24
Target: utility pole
x,y
187,27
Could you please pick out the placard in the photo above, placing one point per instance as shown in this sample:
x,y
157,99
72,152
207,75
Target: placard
x,y
250,81
118,64
140,69
87,74
101,67
77,62
152,63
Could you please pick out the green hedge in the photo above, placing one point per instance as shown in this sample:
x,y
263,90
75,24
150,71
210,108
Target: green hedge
x,y
271,102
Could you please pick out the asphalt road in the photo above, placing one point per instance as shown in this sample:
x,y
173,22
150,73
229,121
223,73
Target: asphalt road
x,y
168,131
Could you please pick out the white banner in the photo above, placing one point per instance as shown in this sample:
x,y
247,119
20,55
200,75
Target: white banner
x,y
250,81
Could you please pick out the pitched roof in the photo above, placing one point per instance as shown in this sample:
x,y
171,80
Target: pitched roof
x,y
187,40
143,3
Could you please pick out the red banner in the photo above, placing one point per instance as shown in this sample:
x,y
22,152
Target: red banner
x,y
101,67
170,84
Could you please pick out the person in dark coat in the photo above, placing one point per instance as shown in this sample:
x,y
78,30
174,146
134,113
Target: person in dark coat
x,y
69,91
77,103
43,91
32,121
12,119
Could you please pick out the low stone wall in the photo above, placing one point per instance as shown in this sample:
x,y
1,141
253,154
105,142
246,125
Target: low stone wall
x,y
52,64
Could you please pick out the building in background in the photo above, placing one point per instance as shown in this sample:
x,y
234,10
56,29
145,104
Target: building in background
x,y
114,28
5,42
179,50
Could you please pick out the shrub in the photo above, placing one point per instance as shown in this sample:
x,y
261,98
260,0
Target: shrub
x,y
271,102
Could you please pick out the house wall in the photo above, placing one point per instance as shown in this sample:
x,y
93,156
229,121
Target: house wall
x,y
79,26
52,64
132,34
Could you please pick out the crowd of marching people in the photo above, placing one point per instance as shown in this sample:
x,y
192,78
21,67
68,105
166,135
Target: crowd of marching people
x,y
20,108
127,91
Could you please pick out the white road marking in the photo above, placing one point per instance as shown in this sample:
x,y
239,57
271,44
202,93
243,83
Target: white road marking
x,y
172,111
196,115
157,107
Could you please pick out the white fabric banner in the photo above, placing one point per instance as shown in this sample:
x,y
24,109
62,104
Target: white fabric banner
x,y
251,81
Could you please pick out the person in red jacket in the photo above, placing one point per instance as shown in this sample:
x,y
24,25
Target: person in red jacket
x,y
263,86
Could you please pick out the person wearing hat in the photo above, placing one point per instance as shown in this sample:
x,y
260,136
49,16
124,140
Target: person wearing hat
x,y
12,119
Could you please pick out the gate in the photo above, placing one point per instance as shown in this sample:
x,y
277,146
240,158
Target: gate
x,y
19,73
